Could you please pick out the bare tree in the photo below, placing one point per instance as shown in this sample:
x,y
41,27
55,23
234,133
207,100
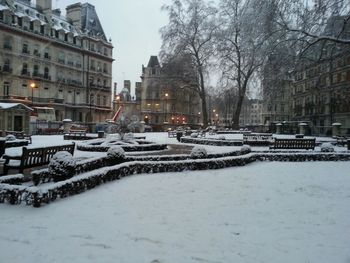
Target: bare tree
x,y
242,45
190,31
315,21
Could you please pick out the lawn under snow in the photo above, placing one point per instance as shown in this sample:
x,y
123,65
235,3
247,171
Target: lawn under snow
x,y
263,212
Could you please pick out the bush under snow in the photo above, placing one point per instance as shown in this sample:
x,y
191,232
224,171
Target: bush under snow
x,y
194,135
62,166
10,137
246,148
115,152
198,152
327,147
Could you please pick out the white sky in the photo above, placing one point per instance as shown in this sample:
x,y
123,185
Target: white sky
x,y
134,27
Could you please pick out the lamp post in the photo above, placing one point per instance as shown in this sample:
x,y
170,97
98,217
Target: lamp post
x,y
166,106
33,86
213,117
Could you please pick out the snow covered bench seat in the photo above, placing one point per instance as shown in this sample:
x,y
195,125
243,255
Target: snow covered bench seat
x,y
33,157
290,143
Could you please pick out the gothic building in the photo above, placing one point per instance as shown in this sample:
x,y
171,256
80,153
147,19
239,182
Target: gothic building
x,y
167,98
48,60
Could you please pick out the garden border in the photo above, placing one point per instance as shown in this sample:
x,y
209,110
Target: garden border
x,y
36,196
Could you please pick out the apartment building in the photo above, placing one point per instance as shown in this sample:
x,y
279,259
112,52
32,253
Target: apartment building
x,y
48,60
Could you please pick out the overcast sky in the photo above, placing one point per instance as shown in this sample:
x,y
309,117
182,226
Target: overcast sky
x,y
134,27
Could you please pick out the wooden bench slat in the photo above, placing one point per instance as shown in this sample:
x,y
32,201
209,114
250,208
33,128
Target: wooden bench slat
x,y
289,143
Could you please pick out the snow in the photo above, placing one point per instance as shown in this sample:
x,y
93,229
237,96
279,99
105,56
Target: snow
x,y
262,212
296,213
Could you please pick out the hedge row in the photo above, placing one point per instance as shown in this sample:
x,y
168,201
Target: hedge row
x,y
36,196
214,142
127,148
43,175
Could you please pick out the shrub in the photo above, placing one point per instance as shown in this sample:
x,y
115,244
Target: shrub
x,y
198,152
194,135
327,147
10,137
115,152
246,148
115,155
62,166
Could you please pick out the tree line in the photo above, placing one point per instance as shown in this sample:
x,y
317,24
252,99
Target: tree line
x,y
243,40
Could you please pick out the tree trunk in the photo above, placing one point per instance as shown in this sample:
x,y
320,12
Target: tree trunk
x,y
203,97
237,111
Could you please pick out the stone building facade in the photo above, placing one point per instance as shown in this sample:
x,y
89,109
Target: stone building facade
x,y
47,60
166,100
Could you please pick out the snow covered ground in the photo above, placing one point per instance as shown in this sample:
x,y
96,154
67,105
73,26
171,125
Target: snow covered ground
x,y
263,212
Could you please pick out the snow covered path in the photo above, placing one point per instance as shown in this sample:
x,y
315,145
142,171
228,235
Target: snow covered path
x,y
263,212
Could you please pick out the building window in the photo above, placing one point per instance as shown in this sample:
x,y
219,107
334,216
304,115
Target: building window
x,y
7,43
6,88
47,54
25,69
25,48
104,100
98,99
7,66
61,58
93,67
36,70
46,73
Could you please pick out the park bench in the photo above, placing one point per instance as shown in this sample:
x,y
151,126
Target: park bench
x,y
20,135
33,157
257,139
341,140
292,143
172,134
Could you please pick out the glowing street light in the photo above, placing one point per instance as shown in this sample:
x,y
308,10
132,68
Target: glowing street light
x,y
33,86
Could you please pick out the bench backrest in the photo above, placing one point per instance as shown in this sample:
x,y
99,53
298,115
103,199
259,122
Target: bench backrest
x,y
40,156
257,137
294,143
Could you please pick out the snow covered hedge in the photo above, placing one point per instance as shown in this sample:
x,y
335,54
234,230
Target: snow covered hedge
x,y
141,146
36,196
215,142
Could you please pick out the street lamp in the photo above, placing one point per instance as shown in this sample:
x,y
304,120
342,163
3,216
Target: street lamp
x,y
166,106
33,86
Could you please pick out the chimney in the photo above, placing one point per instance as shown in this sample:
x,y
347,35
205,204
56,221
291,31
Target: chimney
x,y
44,5
73,13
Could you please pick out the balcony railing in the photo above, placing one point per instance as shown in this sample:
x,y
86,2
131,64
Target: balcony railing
x,y
62,61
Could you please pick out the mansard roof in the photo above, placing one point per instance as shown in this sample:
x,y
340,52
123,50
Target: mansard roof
x,y
90,25
90,22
